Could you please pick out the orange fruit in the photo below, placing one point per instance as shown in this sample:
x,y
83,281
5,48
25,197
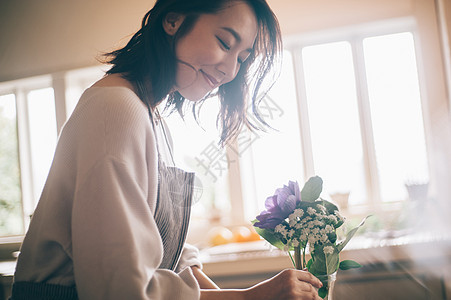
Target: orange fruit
x,y
220,235
254,235
241,234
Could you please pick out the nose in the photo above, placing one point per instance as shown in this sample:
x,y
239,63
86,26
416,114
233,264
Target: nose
x,y
229,67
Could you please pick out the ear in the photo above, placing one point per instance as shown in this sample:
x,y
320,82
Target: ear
x,y
172,22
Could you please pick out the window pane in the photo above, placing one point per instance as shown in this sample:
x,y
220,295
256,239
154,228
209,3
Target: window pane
x,y
334,121
196,149
396,113
11,220
275,157
43,135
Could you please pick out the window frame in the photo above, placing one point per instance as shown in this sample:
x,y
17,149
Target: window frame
x,y
355,35
20,88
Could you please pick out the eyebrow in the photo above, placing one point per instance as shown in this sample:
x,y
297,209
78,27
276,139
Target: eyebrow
x,y
236,35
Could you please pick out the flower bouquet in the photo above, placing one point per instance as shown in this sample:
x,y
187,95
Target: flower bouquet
x,y
300,221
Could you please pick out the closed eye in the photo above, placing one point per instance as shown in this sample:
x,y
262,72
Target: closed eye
x,y
223,44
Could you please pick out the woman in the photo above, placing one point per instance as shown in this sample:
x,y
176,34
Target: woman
x,y
112,219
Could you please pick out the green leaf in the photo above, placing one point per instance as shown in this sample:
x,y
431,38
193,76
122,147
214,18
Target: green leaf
x,y
332,262
331,208
309,264
322,292
350,234
322,264
332,237
312,189
349,264
269,236
317,265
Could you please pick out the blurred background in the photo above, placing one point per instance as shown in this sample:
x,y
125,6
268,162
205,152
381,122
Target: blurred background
x,y
362,101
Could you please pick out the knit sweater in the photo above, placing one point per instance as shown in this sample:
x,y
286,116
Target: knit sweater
x,y
94,225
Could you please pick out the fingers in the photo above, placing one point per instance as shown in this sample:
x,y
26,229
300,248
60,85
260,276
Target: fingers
x,y
300,284
308,277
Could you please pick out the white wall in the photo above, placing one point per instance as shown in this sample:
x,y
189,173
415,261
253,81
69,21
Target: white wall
x,y
46,36
298,16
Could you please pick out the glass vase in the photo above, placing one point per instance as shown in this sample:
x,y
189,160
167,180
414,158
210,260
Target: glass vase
x,y
327,290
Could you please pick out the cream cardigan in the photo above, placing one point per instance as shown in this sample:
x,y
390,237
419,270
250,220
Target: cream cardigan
x,y
94,225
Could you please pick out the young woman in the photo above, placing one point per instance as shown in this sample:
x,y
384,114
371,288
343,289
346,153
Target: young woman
x,y
112,219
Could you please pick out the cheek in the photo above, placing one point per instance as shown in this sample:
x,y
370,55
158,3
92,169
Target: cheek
x,y
200,58
186,75
198,52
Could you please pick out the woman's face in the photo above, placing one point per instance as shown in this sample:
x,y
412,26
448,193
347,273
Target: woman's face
x,y
212,52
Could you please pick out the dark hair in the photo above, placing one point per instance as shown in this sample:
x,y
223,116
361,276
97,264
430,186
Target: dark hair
x,y
149,56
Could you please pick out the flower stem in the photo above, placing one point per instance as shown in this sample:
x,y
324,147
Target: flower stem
x,y
303,257
297,258
291,257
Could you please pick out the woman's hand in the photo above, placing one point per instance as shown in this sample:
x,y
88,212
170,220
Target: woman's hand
x,y
204,281
288,284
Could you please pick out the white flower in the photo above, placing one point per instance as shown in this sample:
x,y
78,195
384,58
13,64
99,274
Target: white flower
x,y
318,223
311,211
333,219
311,246
295,243
290,233
306,219
312,239
281,229
328,229
298,213
324,238
322,208
328,250
303,237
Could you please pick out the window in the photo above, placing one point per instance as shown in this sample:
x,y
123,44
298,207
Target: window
x,y
43,135
359,114
392,134
28,140
11,219
196,149
334,118
397,120
28,136
274,157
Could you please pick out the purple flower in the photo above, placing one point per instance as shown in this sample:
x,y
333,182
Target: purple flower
x,y
267,221
279,206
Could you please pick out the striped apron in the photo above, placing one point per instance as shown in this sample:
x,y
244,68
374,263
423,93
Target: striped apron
x,y
174,199
172,212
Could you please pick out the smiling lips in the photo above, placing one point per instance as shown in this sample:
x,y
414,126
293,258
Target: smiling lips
x,y
210,79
